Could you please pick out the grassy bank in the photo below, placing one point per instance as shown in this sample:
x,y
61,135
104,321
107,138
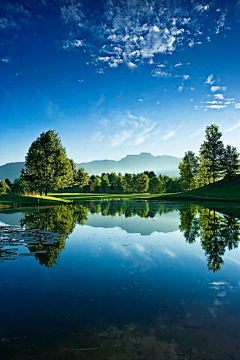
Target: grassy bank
x,y
224,190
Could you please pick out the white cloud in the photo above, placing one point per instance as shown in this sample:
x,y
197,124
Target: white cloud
x,y
129,31
218,107
186,77
219,96
180,89
178,65
237,106
218,88
131,65
72,44
161,74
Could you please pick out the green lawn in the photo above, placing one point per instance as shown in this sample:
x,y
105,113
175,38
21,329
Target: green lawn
x,y
13,199
92,196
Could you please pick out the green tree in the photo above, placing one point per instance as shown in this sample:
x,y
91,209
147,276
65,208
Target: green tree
x,y
230,162
150,174
46,163
212,149
156,186
141,183
113,179
81,178
204,171
95,183
21,186
105,183
128,183
4,188
188,171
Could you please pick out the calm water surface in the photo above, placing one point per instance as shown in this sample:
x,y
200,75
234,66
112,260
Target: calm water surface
x,y
120,280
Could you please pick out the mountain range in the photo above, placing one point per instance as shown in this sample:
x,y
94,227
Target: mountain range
x,y
166,165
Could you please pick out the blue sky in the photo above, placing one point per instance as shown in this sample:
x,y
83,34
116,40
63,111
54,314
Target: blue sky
x,y
118,77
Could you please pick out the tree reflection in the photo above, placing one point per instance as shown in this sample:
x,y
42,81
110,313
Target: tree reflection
x,y
217,232
189,223
61,220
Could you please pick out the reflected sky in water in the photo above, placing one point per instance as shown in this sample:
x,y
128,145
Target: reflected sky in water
x,y
125,280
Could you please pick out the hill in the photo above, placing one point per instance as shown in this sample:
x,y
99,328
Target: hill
x,y
166,165
11,170
223,190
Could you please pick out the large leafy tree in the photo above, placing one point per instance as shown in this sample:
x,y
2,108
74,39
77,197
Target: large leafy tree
x,y
230,162
212,149
188,170
46,164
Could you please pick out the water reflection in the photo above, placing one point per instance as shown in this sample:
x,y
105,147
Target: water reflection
x,y
217,232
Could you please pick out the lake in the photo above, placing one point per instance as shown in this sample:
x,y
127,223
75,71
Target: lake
x,y
120,280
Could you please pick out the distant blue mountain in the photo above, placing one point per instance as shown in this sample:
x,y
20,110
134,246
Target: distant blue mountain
x,y
166,165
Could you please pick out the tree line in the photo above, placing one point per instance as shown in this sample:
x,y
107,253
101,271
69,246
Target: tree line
x,y
47,168
213,163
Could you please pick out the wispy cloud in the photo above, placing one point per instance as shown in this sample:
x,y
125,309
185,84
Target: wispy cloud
x,y
6,60
128,129
172,133
232,128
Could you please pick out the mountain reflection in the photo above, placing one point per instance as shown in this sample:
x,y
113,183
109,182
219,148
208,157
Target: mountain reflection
x,y
217,232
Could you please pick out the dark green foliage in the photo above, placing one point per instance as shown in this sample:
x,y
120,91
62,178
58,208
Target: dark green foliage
x,y
156,186
8,182
21,186
141,183
213,150
230,162
105,183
